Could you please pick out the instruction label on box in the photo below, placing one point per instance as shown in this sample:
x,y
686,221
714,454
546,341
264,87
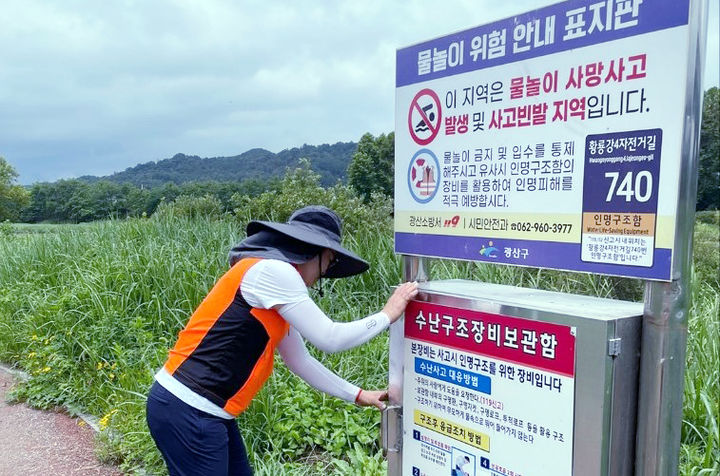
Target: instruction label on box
x,y
486,394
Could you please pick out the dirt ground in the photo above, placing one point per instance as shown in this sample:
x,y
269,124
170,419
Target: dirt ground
x,y
34,442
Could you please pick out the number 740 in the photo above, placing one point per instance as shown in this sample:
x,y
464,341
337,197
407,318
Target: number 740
x,y
640,188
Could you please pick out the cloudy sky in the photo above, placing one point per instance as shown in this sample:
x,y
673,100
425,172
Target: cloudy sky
x,y
93,87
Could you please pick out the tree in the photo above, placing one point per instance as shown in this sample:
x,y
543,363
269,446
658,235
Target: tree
x,y
13,198
708,193
372,168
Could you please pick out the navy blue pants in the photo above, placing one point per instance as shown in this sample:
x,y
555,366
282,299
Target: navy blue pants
x,y
193,442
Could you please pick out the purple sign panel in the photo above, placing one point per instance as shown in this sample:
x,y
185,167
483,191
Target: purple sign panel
x,y
622,171
539,254
560,27
620,197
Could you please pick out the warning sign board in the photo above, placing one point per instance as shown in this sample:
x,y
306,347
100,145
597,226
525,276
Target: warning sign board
x,y
558,136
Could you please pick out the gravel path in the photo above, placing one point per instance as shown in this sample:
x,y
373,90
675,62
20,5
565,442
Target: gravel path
x,y
34,442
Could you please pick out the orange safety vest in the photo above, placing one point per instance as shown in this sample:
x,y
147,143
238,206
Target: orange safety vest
x,y
225,352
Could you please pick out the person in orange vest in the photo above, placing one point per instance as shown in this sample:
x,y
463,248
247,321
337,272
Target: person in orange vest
x,y
225,353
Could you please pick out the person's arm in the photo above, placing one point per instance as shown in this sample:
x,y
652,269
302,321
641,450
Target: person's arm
x,y
326,334
331,336
275,284
297,358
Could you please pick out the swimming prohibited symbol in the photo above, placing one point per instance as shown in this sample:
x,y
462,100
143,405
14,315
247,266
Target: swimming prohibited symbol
x,y
424,116
423,176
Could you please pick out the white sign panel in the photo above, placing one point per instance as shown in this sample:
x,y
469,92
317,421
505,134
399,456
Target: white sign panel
x,y
486,394
551,139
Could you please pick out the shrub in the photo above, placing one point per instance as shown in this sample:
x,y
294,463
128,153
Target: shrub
x,y
6,228
706,253
188,206
711,217
301,187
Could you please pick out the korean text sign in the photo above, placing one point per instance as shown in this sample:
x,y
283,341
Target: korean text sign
x,y
551,139
481,389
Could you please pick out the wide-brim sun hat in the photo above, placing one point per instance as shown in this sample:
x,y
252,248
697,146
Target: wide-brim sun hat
x,y
318,226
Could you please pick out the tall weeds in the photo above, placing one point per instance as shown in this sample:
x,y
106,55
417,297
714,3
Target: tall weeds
x,y
90,311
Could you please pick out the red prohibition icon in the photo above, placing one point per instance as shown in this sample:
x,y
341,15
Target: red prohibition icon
x,y
424,116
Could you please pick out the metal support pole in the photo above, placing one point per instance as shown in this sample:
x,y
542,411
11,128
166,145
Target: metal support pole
x,y
662,369
665,320
414,269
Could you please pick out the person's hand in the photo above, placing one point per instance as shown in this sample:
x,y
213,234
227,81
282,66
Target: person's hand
x,y
367,398
396,304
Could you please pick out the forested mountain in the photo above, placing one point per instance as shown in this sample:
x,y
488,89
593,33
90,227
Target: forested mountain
x,y
330,161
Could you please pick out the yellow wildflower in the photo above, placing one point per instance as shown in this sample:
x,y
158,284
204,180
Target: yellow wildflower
x,y
105,420
34,337
103,423
99,365
46,370
111,375
31,355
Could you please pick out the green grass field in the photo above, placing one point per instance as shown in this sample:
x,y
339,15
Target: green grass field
x,y
89,312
